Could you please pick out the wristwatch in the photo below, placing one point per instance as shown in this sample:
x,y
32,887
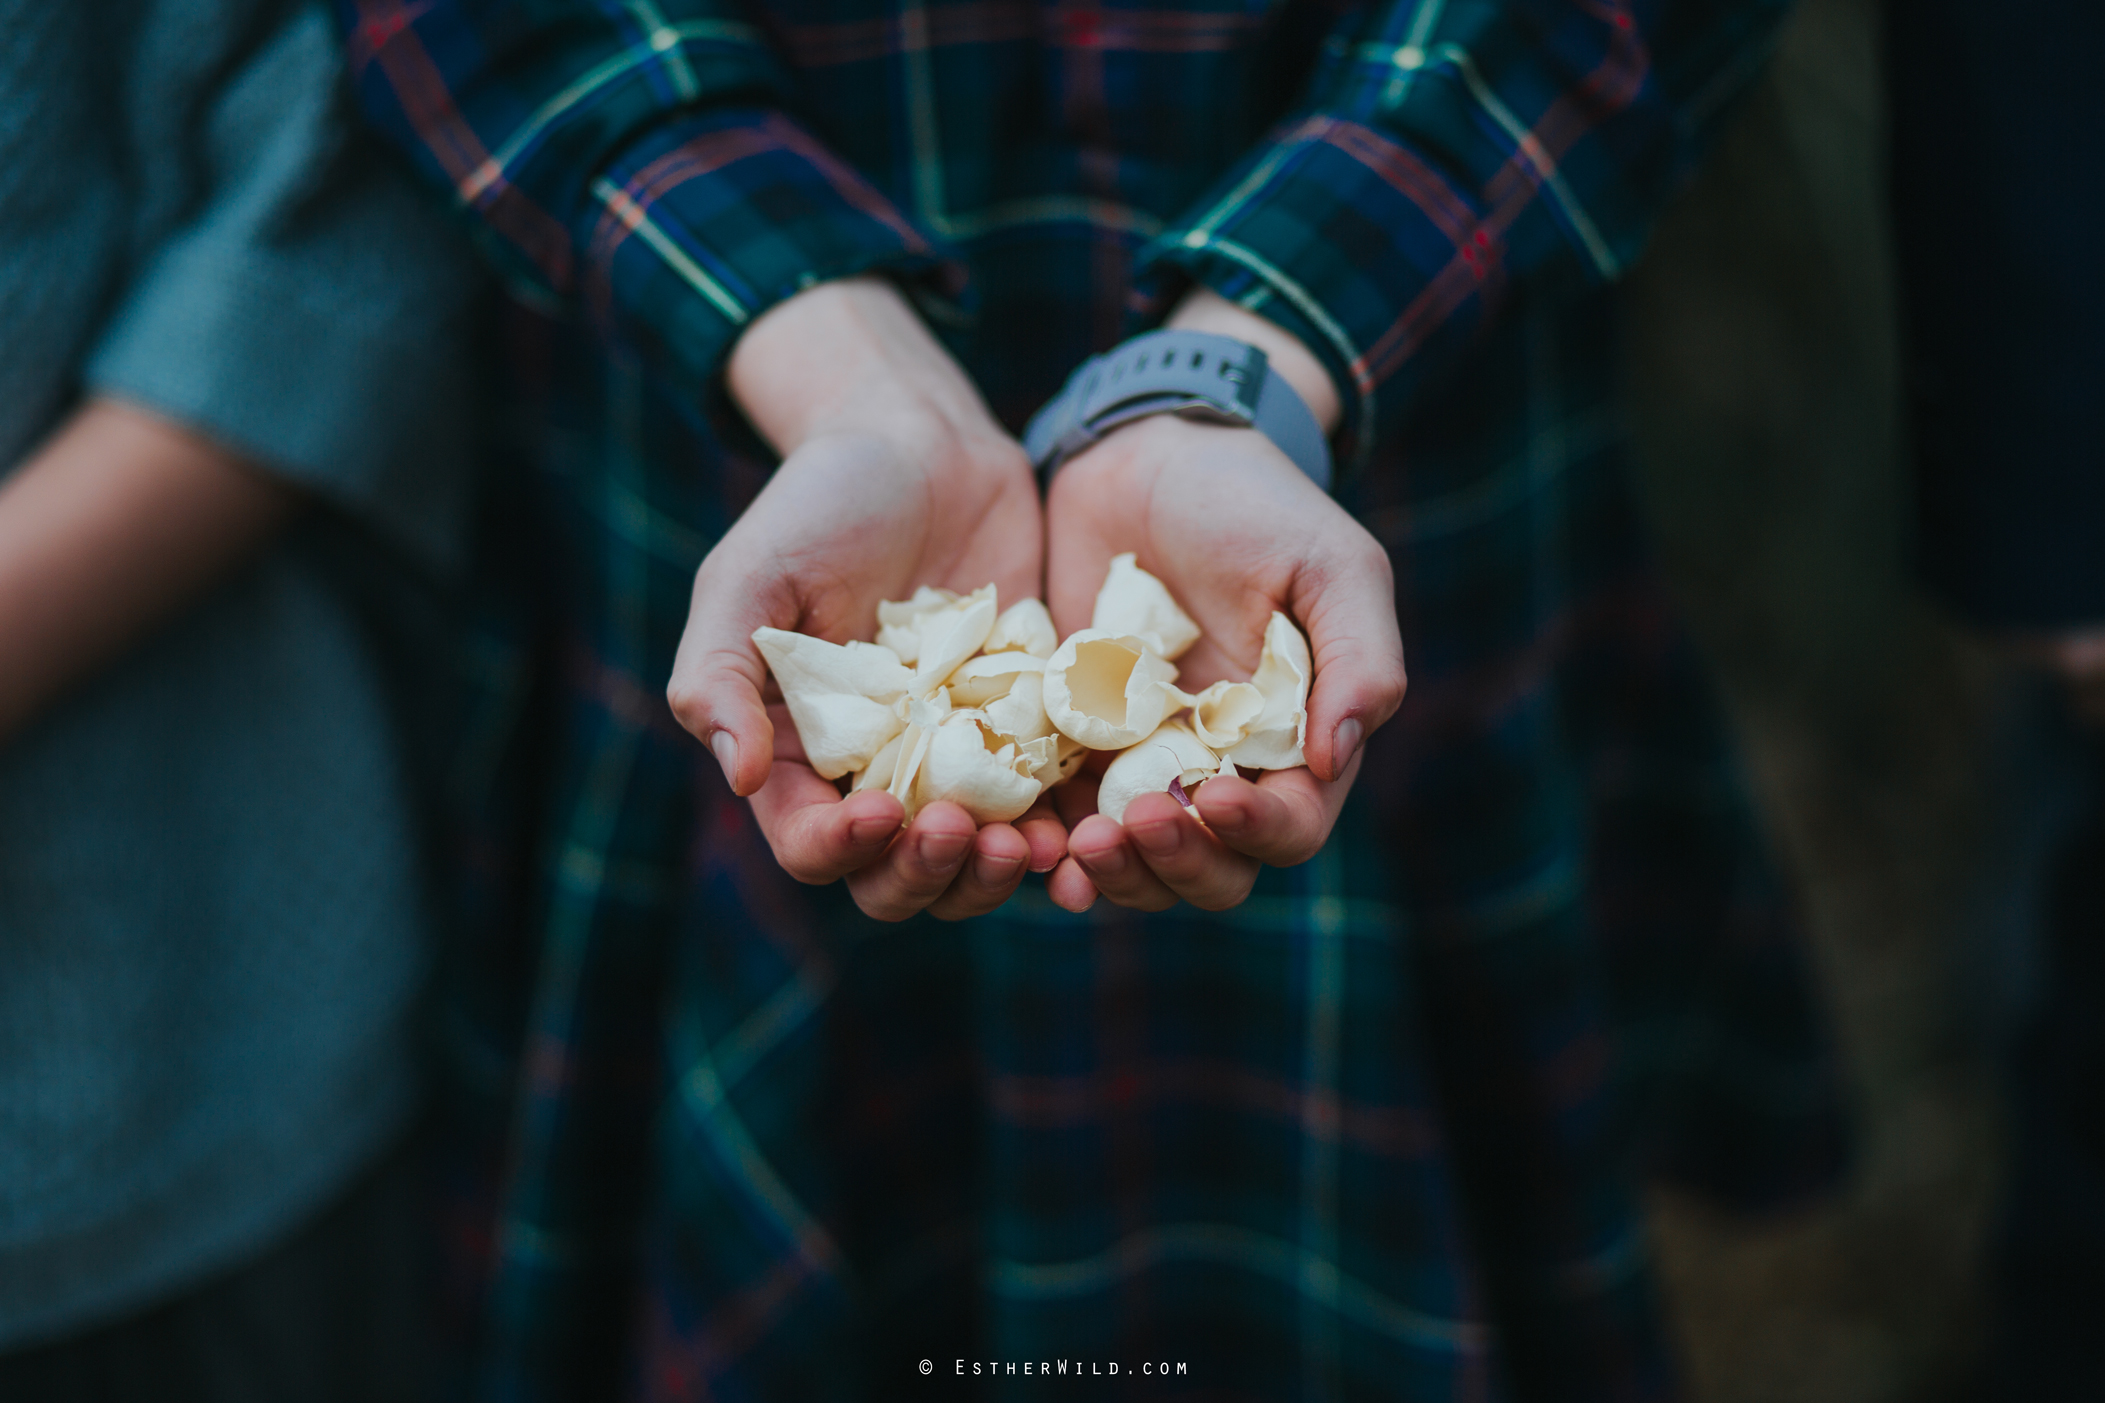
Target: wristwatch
x,y
1192,373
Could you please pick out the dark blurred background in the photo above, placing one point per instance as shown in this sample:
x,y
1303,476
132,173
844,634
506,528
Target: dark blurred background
x,y
1762,383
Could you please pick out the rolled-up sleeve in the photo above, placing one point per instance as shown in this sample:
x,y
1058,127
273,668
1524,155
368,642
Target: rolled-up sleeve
x,y
634,164
311,311
1452,158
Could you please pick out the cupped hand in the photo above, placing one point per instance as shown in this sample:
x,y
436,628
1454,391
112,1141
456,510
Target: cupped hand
x,y
1236,531
894,475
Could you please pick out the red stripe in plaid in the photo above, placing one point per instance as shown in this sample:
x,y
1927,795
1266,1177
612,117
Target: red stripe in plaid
x,y
1046,1103
1075,24
947,26
684,1361
1019,1091
427,102
856,192
1611,86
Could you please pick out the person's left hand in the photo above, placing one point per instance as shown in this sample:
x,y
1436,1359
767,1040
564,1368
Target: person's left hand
x,y
1236,531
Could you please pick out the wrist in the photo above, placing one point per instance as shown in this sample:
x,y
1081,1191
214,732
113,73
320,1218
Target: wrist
x,y
1141,447
1203,309
851,358
1186,373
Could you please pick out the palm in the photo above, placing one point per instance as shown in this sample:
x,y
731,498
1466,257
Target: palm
x,y
1222,528
1235,531
849,522
894,476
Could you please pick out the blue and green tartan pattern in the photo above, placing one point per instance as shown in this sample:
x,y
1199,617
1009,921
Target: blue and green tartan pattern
x,y
1380,178
1378,1132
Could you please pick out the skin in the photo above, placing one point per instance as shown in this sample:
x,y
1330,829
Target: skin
x,y
114,524
896,475
1236,531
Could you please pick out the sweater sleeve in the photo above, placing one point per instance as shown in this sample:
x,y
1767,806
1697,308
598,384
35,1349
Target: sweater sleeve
x,y
632,163
1451,158
310,311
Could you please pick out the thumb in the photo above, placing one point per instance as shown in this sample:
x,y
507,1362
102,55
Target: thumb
x,y
1350,613
717,681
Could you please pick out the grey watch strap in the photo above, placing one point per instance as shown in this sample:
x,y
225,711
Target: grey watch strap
x,y
1193,373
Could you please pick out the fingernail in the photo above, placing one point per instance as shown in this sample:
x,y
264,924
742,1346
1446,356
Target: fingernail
x,y
725,747
943,849
992,870
1111,862
869,830
1158,839
1343,742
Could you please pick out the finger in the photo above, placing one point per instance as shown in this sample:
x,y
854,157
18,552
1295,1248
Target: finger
x,y
1349,608
1076,799
918,867
1076,559
1080,539
718,678
1046,834
1070,888
1283,820
1185,857
788,744
816,835
1108,858
1000,857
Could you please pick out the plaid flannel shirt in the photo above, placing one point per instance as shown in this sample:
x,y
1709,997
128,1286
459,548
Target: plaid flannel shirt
x,y
1374,1133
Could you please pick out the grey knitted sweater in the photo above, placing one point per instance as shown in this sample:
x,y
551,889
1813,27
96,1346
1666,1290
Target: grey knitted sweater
x,y
214,913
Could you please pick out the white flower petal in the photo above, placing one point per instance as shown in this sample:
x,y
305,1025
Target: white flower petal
x,y
913,753
1107,692
1283,674
969,765
926,712
980,680
1133,602
1222,714
878,773
1171,753
1024,627
841,697
1044,754
1067,759
952,634
1019,713
899,620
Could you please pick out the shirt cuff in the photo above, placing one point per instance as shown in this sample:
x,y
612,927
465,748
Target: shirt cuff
x,y
1351,242
707,222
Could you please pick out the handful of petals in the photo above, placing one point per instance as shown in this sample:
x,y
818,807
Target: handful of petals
x,y
957,702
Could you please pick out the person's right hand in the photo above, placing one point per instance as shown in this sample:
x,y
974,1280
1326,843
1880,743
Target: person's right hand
x,y
894,475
